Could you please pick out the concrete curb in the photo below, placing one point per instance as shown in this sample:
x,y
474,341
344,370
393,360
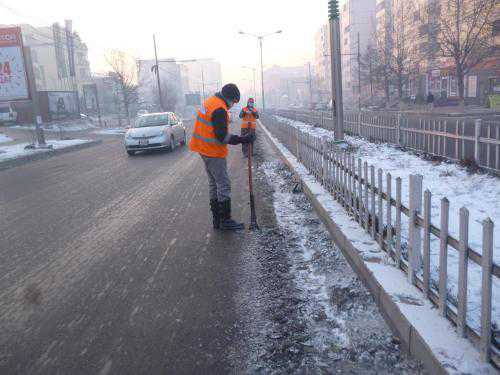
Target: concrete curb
x,y
11,163
416,337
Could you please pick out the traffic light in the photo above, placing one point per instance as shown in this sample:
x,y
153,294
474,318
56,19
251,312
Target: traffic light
x,y
333,10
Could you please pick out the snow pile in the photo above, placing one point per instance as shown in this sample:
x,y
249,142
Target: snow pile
x,y
5,138
480,193
18,150
70,126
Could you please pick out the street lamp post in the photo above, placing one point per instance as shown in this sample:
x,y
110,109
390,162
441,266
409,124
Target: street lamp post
x,y
260,38
254,89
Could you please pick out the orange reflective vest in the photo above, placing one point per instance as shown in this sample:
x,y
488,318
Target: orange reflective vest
x,y
248,120
204,140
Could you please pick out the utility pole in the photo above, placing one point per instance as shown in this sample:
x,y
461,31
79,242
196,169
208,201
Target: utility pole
x,y
97,104
70,44
262,75
157,69
310,87
359,75
336,69
40,137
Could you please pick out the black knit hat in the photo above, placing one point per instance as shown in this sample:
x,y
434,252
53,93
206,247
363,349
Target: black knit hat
x,y
231,92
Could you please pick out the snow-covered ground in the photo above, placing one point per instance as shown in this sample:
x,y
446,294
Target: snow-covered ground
x,y
479,193
18,150
70,126
112,131
4,138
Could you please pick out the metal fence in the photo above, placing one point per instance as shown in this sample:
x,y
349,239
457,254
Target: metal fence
x,y
454,138
360,189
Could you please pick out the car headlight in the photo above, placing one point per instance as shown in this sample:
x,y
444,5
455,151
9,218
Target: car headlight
x,y
129,136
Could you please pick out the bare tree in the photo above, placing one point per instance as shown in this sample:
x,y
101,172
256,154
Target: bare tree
x,y
383,64
370,69
124,70
464,34
402,57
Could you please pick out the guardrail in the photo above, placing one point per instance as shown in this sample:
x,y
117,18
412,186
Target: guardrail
x,y
454,138
355,185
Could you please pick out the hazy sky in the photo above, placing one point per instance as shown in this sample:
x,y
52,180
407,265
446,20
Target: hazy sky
x,y
184,28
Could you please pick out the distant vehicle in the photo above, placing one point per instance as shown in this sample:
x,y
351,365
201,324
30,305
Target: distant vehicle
x,y
155,131
85,117
7,114
141,112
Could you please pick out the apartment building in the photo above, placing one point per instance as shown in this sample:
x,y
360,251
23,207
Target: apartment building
x,y
357,26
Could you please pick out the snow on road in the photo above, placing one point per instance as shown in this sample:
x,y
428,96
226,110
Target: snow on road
x,y
479,193
18,150
343,328
4,138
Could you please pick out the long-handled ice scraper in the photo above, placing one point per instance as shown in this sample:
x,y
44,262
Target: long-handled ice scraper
x,y
253,217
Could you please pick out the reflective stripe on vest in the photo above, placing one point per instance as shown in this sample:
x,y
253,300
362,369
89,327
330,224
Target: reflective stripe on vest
x,y
199,118
204,140
209,140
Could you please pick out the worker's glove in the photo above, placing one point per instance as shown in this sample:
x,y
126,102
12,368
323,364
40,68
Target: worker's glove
x,y
249,138
236,139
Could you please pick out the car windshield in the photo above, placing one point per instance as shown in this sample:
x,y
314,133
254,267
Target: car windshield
x,y
154,120
4,110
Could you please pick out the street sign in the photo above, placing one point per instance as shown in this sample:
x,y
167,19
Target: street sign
x,y
13,79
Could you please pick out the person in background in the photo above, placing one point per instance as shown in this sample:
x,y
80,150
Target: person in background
x,y
210,139
248,116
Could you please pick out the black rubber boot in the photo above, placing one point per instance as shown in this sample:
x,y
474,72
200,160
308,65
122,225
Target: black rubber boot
x,y
214,207
227,223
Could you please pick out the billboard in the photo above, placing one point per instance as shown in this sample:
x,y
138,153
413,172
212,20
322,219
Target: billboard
x,y
13,79
62,104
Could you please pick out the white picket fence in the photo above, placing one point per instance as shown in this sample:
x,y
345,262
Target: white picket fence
x,y
453,138
359,188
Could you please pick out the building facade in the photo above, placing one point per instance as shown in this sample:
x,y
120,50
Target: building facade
x,y
322,68
357,26
408,30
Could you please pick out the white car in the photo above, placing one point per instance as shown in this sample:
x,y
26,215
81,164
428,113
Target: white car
x,y
155,131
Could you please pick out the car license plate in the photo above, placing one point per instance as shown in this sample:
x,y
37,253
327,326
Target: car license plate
x,y
143,142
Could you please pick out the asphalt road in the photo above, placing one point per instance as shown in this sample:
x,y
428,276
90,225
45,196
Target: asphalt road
x,y
109,264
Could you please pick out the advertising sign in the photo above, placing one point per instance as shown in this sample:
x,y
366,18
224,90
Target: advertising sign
x,y
13,79
494,101
62,104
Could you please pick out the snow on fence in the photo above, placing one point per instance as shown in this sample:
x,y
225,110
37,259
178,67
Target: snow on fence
x,y
454,138
407,234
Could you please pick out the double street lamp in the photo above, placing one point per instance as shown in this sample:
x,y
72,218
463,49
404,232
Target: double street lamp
x,y
260,38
